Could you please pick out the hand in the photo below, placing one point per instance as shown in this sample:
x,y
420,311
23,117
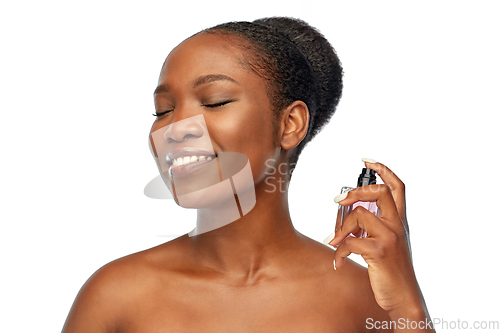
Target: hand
x,y
386,248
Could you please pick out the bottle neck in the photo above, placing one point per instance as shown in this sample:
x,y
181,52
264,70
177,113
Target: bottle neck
x,y
367,177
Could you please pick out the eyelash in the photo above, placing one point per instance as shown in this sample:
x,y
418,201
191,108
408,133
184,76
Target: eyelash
x,y
215,105
161,113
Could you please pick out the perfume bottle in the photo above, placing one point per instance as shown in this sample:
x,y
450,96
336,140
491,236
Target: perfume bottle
x,y
367,177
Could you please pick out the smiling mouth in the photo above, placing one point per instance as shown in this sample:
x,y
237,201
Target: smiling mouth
x,y
180,161
187,160
188,164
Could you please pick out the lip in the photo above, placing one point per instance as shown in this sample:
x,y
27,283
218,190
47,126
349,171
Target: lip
x,y
178,171
182,170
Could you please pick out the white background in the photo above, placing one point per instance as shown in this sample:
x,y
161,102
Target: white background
x,y
421,95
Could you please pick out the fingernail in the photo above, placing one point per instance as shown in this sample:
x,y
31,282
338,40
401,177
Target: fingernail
x,y
334,266
329,239
368,160
340,197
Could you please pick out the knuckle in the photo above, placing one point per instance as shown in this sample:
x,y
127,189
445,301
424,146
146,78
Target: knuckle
x,y
380,251
386,248
391,238
359,211
347,242
385,189
358,214
402,185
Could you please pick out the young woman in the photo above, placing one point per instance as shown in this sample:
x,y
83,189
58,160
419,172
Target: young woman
x,y
263,90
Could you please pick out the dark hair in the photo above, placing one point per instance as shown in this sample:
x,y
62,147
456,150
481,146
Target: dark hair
x,y
298,63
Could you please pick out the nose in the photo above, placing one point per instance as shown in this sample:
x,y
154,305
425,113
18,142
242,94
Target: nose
x,y
181,130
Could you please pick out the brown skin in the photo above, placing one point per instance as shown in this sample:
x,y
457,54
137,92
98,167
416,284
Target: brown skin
x,y
257,274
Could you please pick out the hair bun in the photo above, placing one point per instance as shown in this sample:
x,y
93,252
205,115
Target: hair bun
x,y
323,59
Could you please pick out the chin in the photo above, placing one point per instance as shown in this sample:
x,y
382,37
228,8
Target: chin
x,y
218,196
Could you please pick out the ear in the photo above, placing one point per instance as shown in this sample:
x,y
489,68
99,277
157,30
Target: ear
x,y
294,124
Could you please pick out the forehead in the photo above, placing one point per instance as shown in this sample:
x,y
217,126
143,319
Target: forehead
x,y
205,53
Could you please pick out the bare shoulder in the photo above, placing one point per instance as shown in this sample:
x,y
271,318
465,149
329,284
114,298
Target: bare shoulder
x,y
115,289
349,286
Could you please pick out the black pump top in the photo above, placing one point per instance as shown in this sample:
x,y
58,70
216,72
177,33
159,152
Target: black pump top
x,y
367,177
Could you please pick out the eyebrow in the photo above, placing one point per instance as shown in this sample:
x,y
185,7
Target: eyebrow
x,y
163,88
211,78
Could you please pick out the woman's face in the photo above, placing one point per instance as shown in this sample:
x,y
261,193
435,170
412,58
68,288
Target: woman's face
x,y
209,103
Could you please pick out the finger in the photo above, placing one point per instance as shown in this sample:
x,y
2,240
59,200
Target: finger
x,y
352,245
379,193
395,184
360,218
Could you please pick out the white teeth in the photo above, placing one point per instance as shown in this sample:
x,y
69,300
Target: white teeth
x,y
190,159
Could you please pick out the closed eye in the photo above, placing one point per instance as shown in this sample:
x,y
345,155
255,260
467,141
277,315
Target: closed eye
x,y
159,114
214,105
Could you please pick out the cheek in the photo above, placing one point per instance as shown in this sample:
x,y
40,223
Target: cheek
x,y
246,133
242,131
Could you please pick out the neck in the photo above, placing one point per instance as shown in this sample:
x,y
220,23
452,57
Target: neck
x,y
256,243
